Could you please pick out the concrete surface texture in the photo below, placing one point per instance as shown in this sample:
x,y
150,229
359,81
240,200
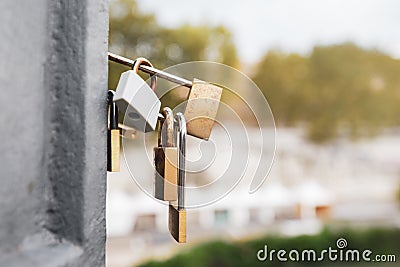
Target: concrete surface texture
x,y
53,76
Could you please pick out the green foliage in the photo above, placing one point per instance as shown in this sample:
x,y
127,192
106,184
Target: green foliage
x,y
219,253
341,87
133,34
284,80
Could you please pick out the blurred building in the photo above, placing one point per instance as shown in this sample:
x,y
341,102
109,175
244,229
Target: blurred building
x,y
309,186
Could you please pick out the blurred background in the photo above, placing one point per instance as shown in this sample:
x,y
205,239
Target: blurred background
x,y
330,71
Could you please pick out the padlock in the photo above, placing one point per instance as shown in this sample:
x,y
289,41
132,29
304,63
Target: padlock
x,y
201,108
137,99
177,212
113,141
166,159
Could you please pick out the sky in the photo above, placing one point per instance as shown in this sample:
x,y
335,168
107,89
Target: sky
x,y
289,25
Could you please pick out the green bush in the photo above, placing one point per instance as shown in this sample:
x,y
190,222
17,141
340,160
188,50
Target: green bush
x,y
224,254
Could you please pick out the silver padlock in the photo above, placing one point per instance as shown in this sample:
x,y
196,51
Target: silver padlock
x,y
137,99
177,211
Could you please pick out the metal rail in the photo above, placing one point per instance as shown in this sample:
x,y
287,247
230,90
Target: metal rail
x,y
152,71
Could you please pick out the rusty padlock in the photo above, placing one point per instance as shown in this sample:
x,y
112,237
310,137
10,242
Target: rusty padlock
x,y
177,212
166,159
201,108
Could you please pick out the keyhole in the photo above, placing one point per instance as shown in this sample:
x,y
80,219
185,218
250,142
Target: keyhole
x,y
133,115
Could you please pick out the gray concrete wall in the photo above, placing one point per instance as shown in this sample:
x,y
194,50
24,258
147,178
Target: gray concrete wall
x,y
53,80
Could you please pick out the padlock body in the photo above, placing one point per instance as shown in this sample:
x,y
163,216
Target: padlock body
x,y
166,173
137,101
201,108
177,224
113,146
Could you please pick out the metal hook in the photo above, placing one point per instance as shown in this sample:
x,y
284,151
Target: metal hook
x,y
141,61
180,133
166,138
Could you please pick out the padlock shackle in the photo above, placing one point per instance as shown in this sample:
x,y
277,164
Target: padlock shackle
x,y
150,70
112,111
145,62
180,133
166,136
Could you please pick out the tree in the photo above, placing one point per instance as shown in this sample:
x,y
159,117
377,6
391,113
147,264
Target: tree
x,y
135,34
340,88
284,80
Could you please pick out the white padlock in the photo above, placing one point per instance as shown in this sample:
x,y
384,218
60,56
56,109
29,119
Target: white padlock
x,y
137,99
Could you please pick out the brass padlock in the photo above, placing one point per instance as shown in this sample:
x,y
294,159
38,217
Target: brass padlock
x,y
166,159
113,141
201,108
177,212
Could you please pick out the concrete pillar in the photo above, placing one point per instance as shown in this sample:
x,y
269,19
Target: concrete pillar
x,y
53,80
